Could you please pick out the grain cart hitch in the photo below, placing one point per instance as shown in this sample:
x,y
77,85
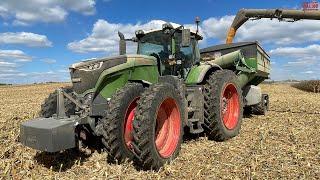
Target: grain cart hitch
x,y
55,133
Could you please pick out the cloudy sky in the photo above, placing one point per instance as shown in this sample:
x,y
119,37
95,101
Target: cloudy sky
x,y
39,39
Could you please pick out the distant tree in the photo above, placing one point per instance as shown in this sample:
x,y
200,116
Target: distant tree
x,y
310,86
4,84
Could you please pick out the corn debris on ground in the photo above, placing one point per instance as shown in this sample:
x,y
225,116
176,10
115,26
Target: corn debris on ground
x,y
283,144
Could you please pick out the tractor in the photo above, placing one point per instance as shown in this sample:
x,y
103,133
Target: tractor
x,y
140,106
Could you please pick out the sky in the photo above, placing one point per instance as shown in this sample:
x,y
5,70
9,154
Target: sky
x,y
40,39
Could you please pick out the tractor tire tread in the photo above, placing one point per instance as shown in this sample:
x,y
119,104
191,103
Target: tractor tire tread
x,y
142,126
112,125
212,124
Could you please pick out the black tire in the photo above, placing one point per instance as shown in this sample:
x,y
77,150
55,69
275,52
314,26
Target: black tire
x,y
49,107
263,107
113,136
180,86
215,87
147,129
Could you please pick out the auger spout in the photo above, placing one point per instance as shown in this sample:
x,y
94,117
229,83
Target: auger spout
x,y
291,15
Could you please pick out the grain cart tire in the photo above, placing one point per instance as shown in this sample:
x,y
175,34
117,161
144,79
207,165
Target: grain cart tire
x,y
117,125
49,107
263,107
223,106
158,126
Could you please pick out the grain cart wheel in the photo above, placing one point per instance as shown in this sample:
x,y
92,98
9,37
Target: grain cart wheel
x,y
223,105
49,107
117,124
263,107
158,126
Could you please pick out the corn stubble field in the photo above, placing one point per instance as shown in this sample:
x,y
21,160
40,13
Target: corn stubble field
x,y
283,144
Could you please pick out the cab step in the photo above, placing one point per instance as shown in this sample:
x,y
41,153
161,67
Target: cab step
x,y
195,109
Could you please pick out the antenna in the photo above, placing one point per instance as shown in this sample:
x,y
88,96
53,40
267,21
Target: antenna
x,y
197,21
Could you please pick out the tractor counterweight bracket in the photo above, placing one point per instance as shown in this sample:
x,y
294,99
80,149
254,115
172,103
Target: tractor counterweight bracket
x,y
61,112
77,103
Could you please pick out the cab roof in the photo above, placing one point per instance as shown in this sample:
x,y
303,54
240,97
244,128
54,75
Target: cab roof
x,y
175,25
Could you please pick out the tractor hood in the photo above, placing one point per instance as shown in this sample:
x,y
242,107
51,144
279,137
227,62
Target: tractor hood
x,y
85,74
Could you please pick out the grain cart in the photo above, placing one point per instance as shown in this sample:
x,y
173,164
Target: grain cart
x,y
140,105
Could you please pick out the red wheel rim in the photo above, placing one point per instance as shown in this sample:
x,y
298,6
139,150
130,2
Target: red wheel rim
x,y
130,113
230,106
168,127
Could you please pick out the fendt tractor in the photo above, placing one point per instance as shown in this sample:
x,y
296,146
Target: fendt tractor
x,y
140,106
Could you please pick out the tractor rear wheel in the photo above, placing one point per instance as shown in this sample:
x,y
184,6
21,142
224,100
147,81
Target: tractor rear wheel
x,y
158,126
49,107
117,125
223,105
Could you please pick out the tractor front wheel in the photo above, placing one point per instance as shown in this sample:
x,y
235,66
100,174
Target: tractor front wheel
x,y
158,126
117,125
49,106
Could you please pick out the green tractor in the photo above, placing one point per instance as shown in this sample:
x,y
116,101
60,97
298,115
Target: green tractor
x,y
139,106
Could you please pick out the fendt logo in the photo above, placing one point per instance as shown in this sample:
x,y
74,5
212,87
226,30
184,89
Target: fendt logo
x,y
310,6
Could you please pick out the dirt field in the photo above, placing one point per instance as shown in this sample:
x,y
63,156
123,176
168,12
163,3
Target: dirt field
x,y
283,144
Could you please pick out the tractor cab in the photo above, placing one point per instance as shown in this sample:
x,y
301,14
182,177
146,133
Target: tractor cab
x,y
175,48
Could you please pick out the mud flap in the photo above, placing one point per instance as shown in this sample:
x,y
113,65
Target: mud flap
x,y
49,134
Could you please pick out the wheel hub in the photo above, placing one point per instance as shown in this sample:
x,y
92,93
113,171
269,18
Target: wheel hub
x,y
167,130
224,105
230,106
130,114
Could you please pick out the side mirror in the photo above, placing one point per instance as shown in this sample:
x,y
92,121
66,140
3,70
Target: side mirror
x,y
122,44
186,38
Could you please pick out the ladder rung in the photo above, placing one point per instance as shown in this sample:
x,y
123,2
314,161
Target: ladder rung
x,y
193,120
192,109
196,131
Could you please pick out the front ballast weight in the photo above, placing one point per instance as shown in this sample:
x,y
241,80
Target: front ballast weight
x,y
55,133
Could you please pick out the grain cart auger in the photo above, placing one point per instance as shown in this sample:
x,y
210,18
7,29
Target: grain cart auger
x,y
140,105
290,15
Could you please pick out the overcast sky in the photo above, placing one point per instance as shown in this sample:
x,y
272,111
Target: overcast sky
x,y
39,39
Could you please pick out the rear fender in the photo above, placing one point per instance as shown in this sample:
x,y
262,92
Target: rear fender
x,y
198,73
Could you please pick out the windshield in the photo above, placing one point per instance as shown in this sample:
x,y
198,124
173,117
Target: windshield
x,y
161,46
155,44
147,48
